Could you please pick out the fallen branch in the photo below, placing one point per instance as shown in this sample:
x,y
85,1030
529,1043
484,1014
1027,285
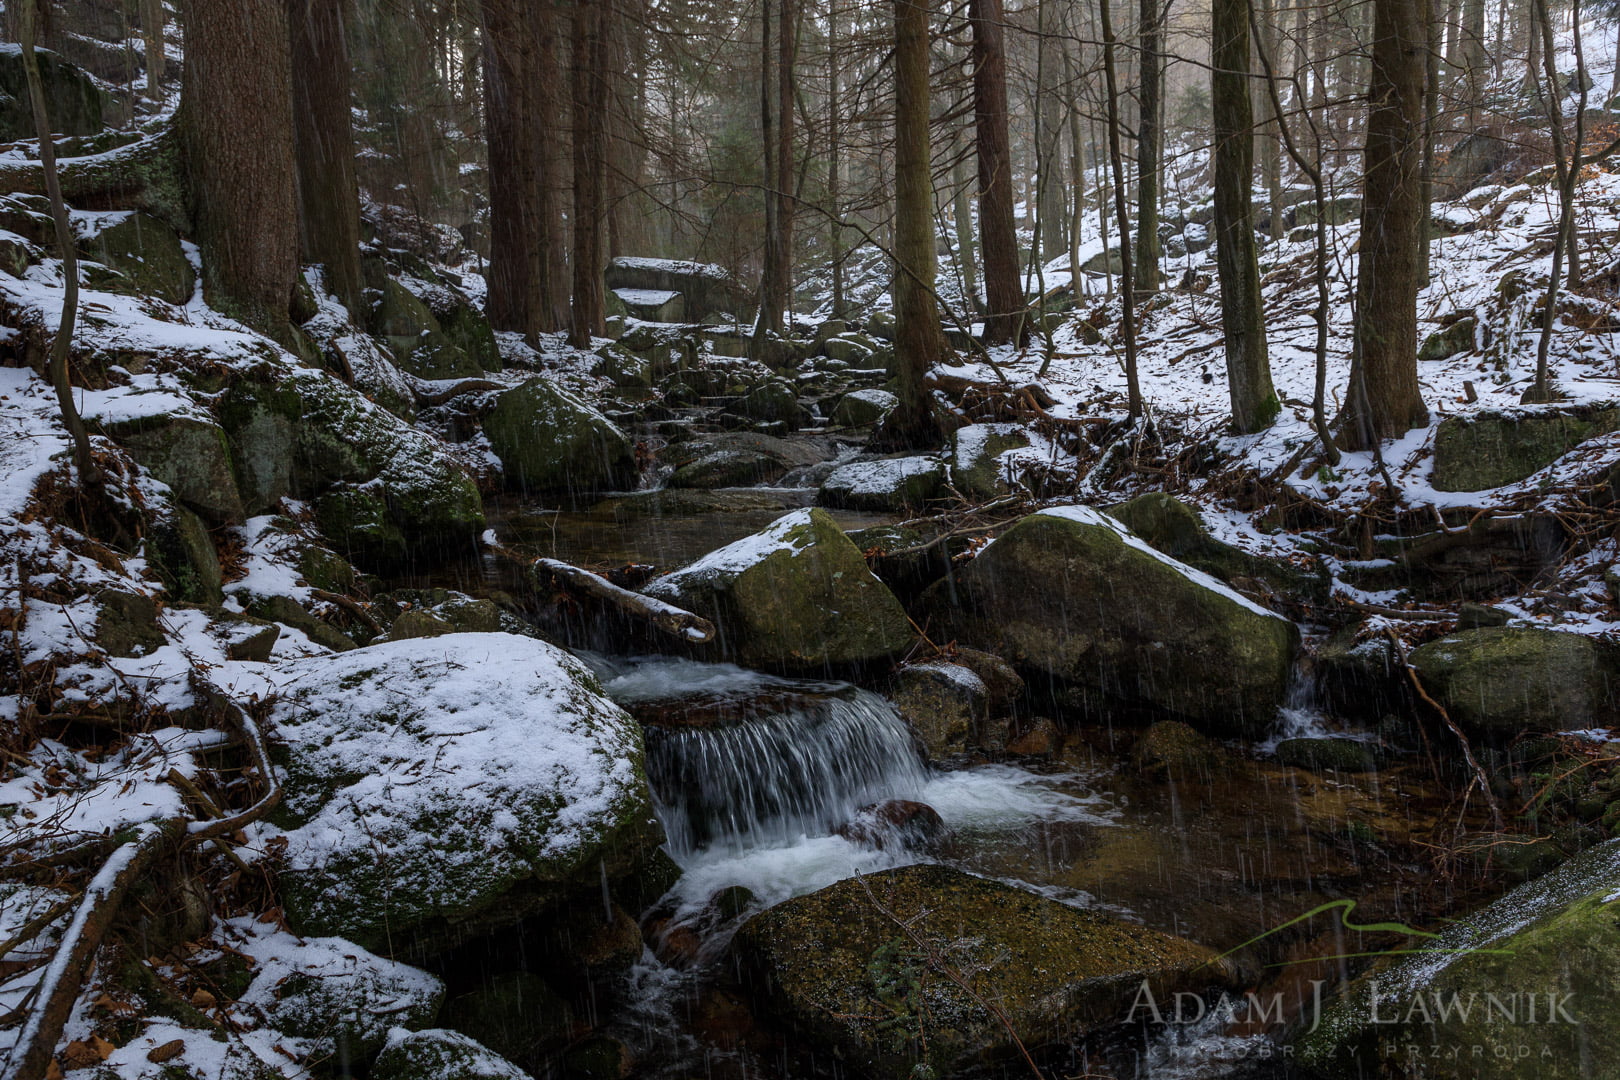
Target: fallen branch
x,y
248,731
59,985
666,617
350,605
454,390
32,928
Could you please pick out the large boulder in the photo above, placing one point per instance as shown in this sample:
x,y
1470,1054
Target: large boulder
x,y
443,787
386,493
147,256
903,483
979,458
188,451
72,100
412,332
1524,987
1072,593
739,459
862,408
838,968
440,1054
704,287
797,595
1504,680
550,441
946,704
333,995
1489,449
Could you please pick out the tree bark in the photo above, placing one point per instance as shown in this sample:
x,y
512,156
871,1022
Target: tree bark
x,y
1248,367
236,131
591,96
998,238
1050,218
1147,151
776,116
919,341
1127,303
328,194
1384,399
152,37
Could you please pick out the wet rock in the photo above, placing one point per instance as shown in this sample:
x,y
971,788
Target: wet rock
x,y
773,400
1328,755
896,825
1490,449
1001,680
600,1057
1544,952
72,100
550,441
1055,972
1174,750
727,468
516,1014
905,483
1473,616
1359,671
1504,681
1072,594
416,813
440,1054
1041,738
946,704
796,595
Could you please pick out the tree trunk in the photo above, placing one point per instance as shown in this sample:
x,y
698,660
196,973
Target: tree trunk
x,y
1270,141
513,132
591,97
328,195
1050,218
236,130
998,238
1127,301
1384,399
835,168
919,341
962,216
1431,132
152,36
627,151
1147,152
1248,368
776,116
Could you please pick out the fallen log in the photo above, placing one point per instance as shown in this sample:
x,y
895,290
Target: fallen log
x,y
665,617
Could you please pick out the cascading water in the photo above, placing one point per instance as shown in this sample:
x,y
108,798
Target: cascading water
x,y
800,770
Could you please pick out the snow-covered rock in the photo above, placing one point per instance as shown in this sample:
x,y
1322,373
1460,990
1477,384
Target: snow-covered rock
x,y
548,440
1072,593
904,483
795,595
441,1054
441,786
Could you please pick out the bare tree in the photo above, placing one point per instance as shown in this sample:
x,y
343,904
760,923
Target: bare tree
x,y
998,238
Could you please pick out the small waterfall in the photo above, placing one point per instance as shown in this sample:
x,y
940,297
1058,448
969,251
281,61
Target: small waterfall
x,y
801,769
740,760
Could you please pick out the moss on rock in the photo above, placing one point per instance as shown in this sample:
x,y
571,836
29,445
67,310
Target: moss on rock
x,y
835,967
1490,449
797,595
1505,680
550,441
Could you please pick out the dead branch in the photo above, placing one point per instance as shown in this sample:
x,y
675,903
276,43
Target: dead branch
x,y
665,617
350,605
59,985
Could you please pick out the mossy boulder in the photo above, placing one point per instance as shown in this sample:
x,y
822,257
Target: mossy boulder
x,y
737,467
191,454
1522,988
863,408
904,483
550,441
1450,340
1328,755
337,997
403,321
517,1014
1490,449
946,704
440,1054
1173,750
1071,593
1504,680
180,549
417,809
772,400
302,432
147,256
289,612
127,624
72,100
797,595
977,458
836,969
